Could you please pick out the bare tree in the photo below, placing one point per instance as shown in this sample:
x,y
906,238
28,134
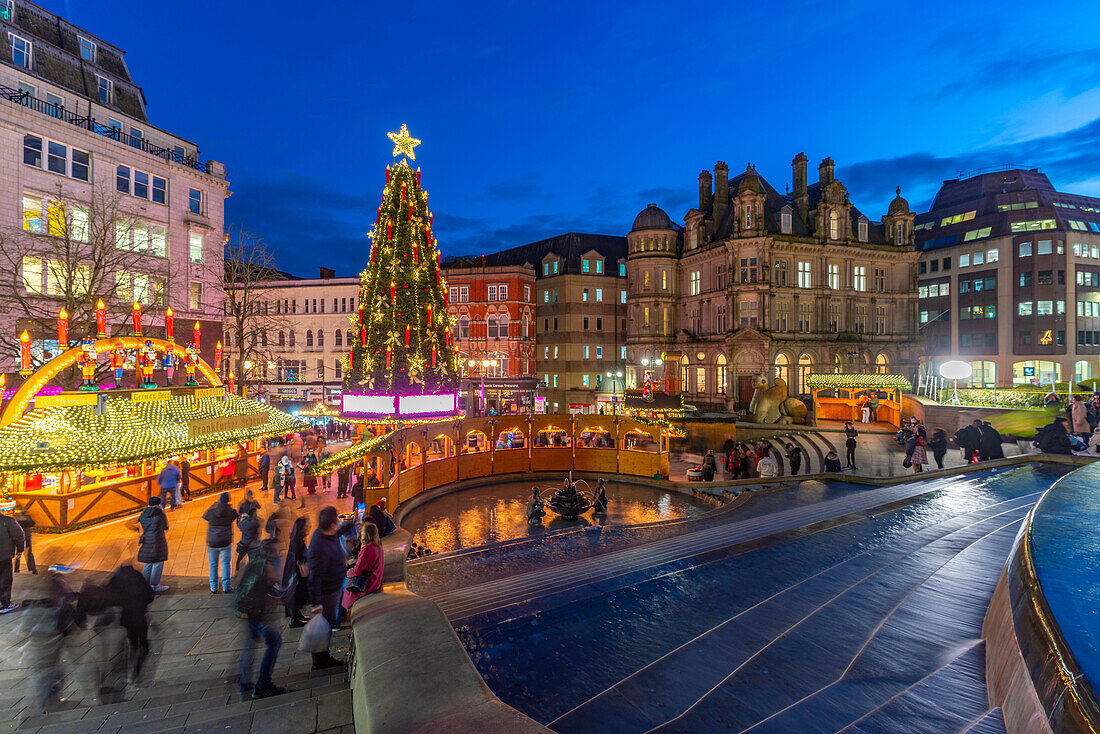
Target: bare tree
x,y
248,319
69,253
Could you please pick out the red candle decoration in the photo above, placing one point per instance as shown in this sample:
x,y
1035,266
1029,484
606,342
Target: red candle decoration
x,y
63,329
410,212
379,217
418,175
393,293
229,382
100,320
25,353
433,358
198,335
431,219
364,331
389,229
415,258
360,316
389,357
169,325
137,318
408,333
404,195
218,356
429,309
387,175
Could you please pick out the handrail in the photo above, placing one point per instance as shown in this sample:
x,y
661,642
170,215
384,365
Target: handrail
x,y
26,99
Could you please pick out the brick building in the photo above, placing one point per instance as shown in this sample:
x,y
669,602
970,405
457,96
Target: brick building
x,y
761,282
82,157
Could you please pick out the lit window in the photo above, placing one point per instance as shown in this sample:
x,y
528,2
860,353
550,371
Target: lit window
x,y
584,378
599,267
696,282
1031,225
804,279
859,277
622,270
599,295
599,352
1024,308
863,230
1044,247
87,49
1025,249
584,266
32,214
32,274
993,255
21,51
1044,308
1076,224
785,223
622,296
978,258
584,295
7,8
196,302
194,242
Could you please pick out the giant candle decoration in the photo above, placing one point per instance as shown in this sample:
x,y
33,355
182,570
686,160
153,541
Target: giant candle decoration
x,y
25,353
169,325
198,335
137,318
100,320
218,356
63,329
230,383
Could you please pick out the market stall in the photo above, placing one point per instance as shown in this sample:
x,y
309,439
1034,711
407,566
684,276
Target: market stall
x,y
840,396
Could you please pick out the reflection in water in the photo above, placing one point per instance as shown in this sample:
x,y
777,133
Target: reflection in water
x,y
499,512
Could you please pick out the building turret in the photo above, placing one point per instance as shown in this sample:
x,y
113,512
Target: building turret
x,y
800,197
705,197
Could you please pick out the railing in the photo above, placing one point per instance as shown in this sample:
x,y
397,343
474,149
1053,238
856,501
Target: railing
x,y
29,101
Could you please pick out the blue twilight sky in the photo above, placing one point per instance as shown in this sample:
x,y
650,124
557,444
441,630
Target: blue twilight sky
x,y
544,117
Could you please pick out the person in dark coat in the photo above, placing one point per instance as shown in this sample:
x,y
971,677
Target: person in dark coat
x,y
343,481
219,541
128,590
185,478
991,440
296,573
241,467
938,444
382,519
832,463
1051,438
26,522
969,439
248,503
153,543
710,467
249,525
327,571
850,434
264,467
357,491
794,456
12,544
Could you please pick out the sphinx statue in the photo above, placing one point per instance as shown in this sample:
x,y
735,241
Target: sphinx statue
x,y
771,404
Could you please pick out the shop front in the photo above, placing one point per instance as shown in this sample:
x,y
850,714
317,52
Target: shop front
x,y
498,395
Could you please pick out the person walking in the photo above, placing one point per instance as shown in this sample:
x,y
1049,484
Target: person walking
x,y
263,465
168,480
219,540
185,479
938,444
284,479
915,454
794,456
365,577
850,434
249,501
241,468
991,443
255,601
131,592
296,573
26,522
309,479
12,544
153,543
327,568
249,525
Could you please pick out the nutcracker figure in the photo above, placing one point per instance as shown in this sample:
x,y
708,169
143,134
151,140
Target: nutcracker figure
x,y
190,362
647,385
148,364
169,364
118,362
87,360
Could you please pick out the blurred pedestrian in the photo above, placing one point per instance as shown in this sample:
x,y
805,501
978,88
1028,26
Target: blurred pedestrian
x,y
296,573
794,456
938,444
263,465
26,522
153,543
249,525
327,568
168,480
12,544
257,590
850,434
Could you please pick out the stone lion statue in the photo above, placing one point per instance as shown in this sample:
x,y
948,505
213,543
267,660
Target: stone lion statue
x,y
773,405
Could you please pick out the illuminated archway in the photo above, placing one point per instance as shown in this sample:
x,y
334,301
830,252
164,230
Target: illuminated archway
x,y
67,359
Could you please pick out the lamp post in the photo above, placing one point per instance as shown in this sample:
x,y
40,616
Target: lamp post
x,y
955,370
618,374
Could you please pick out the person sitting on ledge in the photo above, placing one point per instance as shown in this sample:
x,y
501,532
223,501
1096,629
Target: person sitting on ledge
x,y
832,462
381,518
535,511
1053,438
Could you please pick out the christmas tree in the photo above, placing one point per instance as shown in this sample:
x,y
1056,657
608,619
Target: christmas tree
x,y
402,347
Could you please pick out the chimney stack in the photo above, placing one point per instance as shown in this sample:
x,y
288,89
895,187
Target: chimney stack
x,y
721,190
825,172
705,191
800,198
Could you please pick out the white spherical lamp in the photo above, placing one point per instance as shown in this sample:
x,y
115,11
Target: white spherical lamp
x,y
955,370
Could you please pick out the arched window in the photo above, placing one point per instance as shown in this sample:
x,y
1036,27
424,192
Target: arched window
x,y
882,364
805,367
309,337
721,385
463,327
684,386
783,368
838,363
748,216
282,339
899,234
320,338
339,338
339,367
491,327
502,326
834,225
291,337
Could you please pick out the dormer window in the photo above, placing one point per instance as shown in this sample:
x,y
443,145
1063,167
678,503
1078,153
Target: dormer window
x,y
785,222
862,230
748,217
87,49
21,51
103,86
834,225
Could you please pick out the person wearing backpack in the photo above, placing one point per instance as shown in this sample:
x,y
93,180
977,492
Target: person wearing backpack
x,y
219,541
257,592
249,525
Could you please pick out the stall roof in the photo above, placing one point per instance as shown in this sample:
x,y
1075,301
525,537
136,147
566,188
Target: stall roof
x,y
821,381
659,402
128,428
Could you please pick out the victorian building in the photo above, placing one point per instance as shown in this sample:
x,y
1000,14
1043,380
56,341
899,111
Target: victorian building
x,y
756,281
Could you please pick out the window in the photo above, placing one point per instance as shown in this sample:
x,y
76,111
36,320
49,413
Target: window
x,y
1045,277
546,268
194,242
748,270
978,258
782,315
1044,308
1088,278
785,222
463,327
141,184
136,137
599,267
664,320
749,313
935,266
1084,308
584,265
859,277
645,280
805,318
59,158
21,51
862,229
196,303
695,283
645,315
964,261
1031,225
1044,247
880,320
622,296
103,86
309,338
339,339
555,267
664,280
1025,280
977,234
32,151
880,280
804,279
492,293
992,256
502,292
599,295
585,322
622,270
1025,249
6,9
194,201
781,272
32,274
584,378
55,105
87,49
1024,308
1018,205
584,295
834,226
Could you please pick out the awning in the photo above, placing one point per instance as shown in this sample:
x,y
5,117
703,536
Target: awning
x,y
658,401
851,381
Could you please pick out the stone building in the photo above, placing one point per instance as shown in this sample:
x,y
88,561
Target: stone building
x,y
756,281
74,130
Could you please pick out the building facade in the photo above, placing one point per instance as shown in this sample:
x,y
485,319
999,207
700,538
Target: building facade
x,y
82,160
1009,279
492,309
758,282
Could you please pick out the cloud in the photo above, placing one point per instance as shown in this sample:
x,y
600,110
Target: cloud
x,y
516,189
1068,157
1072,72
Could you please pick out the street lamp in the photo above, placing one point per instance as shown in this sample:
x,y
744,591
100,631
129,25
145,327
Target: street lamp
x,y
955,370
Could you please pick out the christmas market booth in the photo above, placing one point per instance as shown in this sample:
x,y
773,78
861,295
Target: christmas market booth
x,y
841,396
72,459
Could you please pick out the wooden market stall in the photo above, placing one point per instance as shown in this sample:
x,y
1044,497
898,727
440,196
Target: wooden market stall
x,y
840,396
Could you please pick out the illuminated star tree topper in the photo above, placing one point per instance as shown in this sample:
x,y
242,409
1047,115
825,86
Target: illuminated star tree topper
x,y
403,143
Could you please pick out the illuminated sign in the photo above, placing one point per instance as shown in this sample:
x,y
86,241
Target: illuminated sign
x,y
369,404
150,397
65,400
209,392
418,404
1029,372
206,426
1046,338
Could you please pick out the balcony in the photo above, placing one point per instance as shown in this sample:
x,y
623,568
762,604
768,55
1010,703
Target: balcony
x,y
89,123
